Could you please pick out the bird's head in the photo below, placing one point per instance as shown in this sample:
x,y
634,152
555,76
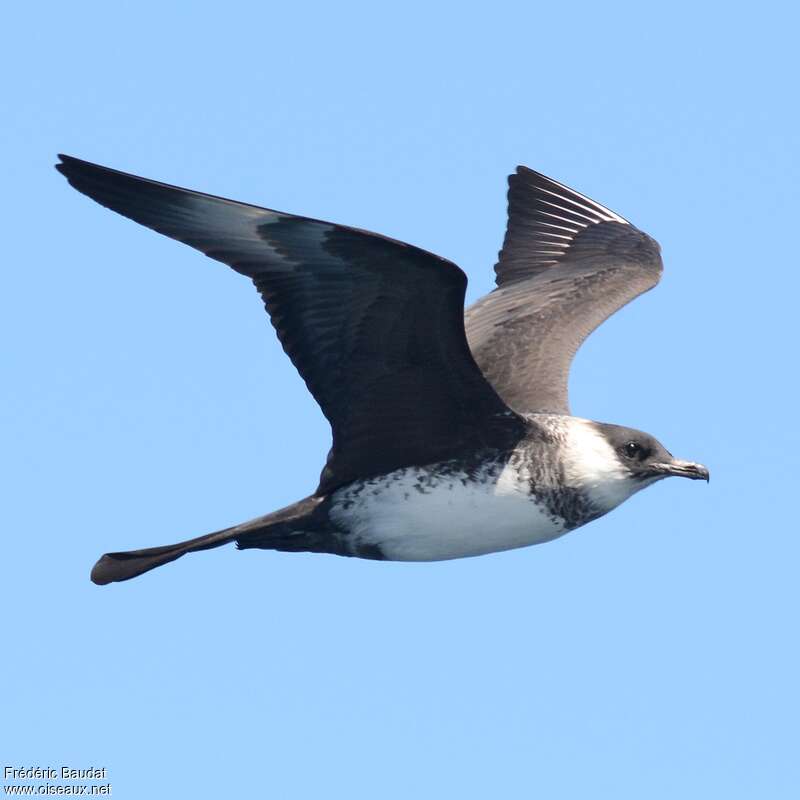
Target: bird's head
x,y
644,458
612,462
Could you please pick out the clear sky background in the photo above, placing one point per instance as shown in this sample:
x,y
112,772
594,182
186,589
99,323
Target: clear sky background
x,y
145,399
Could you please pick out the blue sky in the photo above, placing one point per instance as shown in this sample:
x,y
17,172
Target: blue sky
x,y
652,654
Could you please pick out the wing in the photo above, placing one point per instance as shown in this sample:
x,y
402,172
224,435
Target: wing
x,y
374,326
567,264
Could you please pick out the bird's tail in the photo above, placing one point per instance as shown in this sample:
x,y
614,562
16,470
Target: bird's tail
x,y
123,566
270,531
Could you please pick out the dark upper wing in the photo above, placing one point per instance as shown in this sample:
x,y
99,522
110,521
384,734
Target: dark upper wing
x,y
566,265
374,326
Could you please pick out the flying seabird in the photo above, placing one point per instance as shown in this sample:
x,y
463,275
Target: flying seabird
x,y
452,434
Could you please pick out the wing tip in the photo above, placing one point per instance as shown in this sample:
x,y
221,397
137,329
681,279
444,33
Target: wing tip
x,y
63,163
70,166
529,179
76,169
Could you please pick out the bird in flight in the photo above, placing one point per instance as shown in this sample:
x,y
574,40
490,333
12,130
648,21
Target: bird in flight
x,y
452,434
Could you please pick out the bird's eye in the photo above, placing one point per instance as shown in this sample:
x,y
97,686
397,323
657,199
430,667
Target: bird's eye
x,y
632,449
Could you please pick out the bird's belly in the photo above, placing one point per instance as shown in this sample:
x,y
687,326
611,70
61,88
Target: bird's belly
x,y
430,515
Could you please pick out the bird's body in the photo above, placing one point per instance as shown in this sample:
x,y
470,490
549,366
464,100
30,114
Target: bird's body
x,y
443,511
451,434
497,500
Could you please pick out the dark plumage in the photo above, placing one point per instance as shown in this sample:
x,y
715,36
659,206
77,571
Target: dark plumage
x,y
410,386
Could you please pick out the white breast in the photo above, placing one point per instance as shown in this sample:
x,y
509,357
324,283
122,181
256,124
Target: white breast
x,y
416,515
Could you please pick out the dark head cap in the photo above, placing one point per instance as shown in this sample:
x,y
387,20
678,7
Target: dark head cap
x,y
645,457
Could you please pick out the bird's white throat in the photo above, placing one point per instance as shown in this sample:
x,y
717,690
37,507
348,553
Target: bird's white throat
x,y
591,465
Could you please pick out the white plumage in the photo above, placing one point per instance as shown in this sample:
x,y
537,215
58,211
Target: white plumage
x,y
411,516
